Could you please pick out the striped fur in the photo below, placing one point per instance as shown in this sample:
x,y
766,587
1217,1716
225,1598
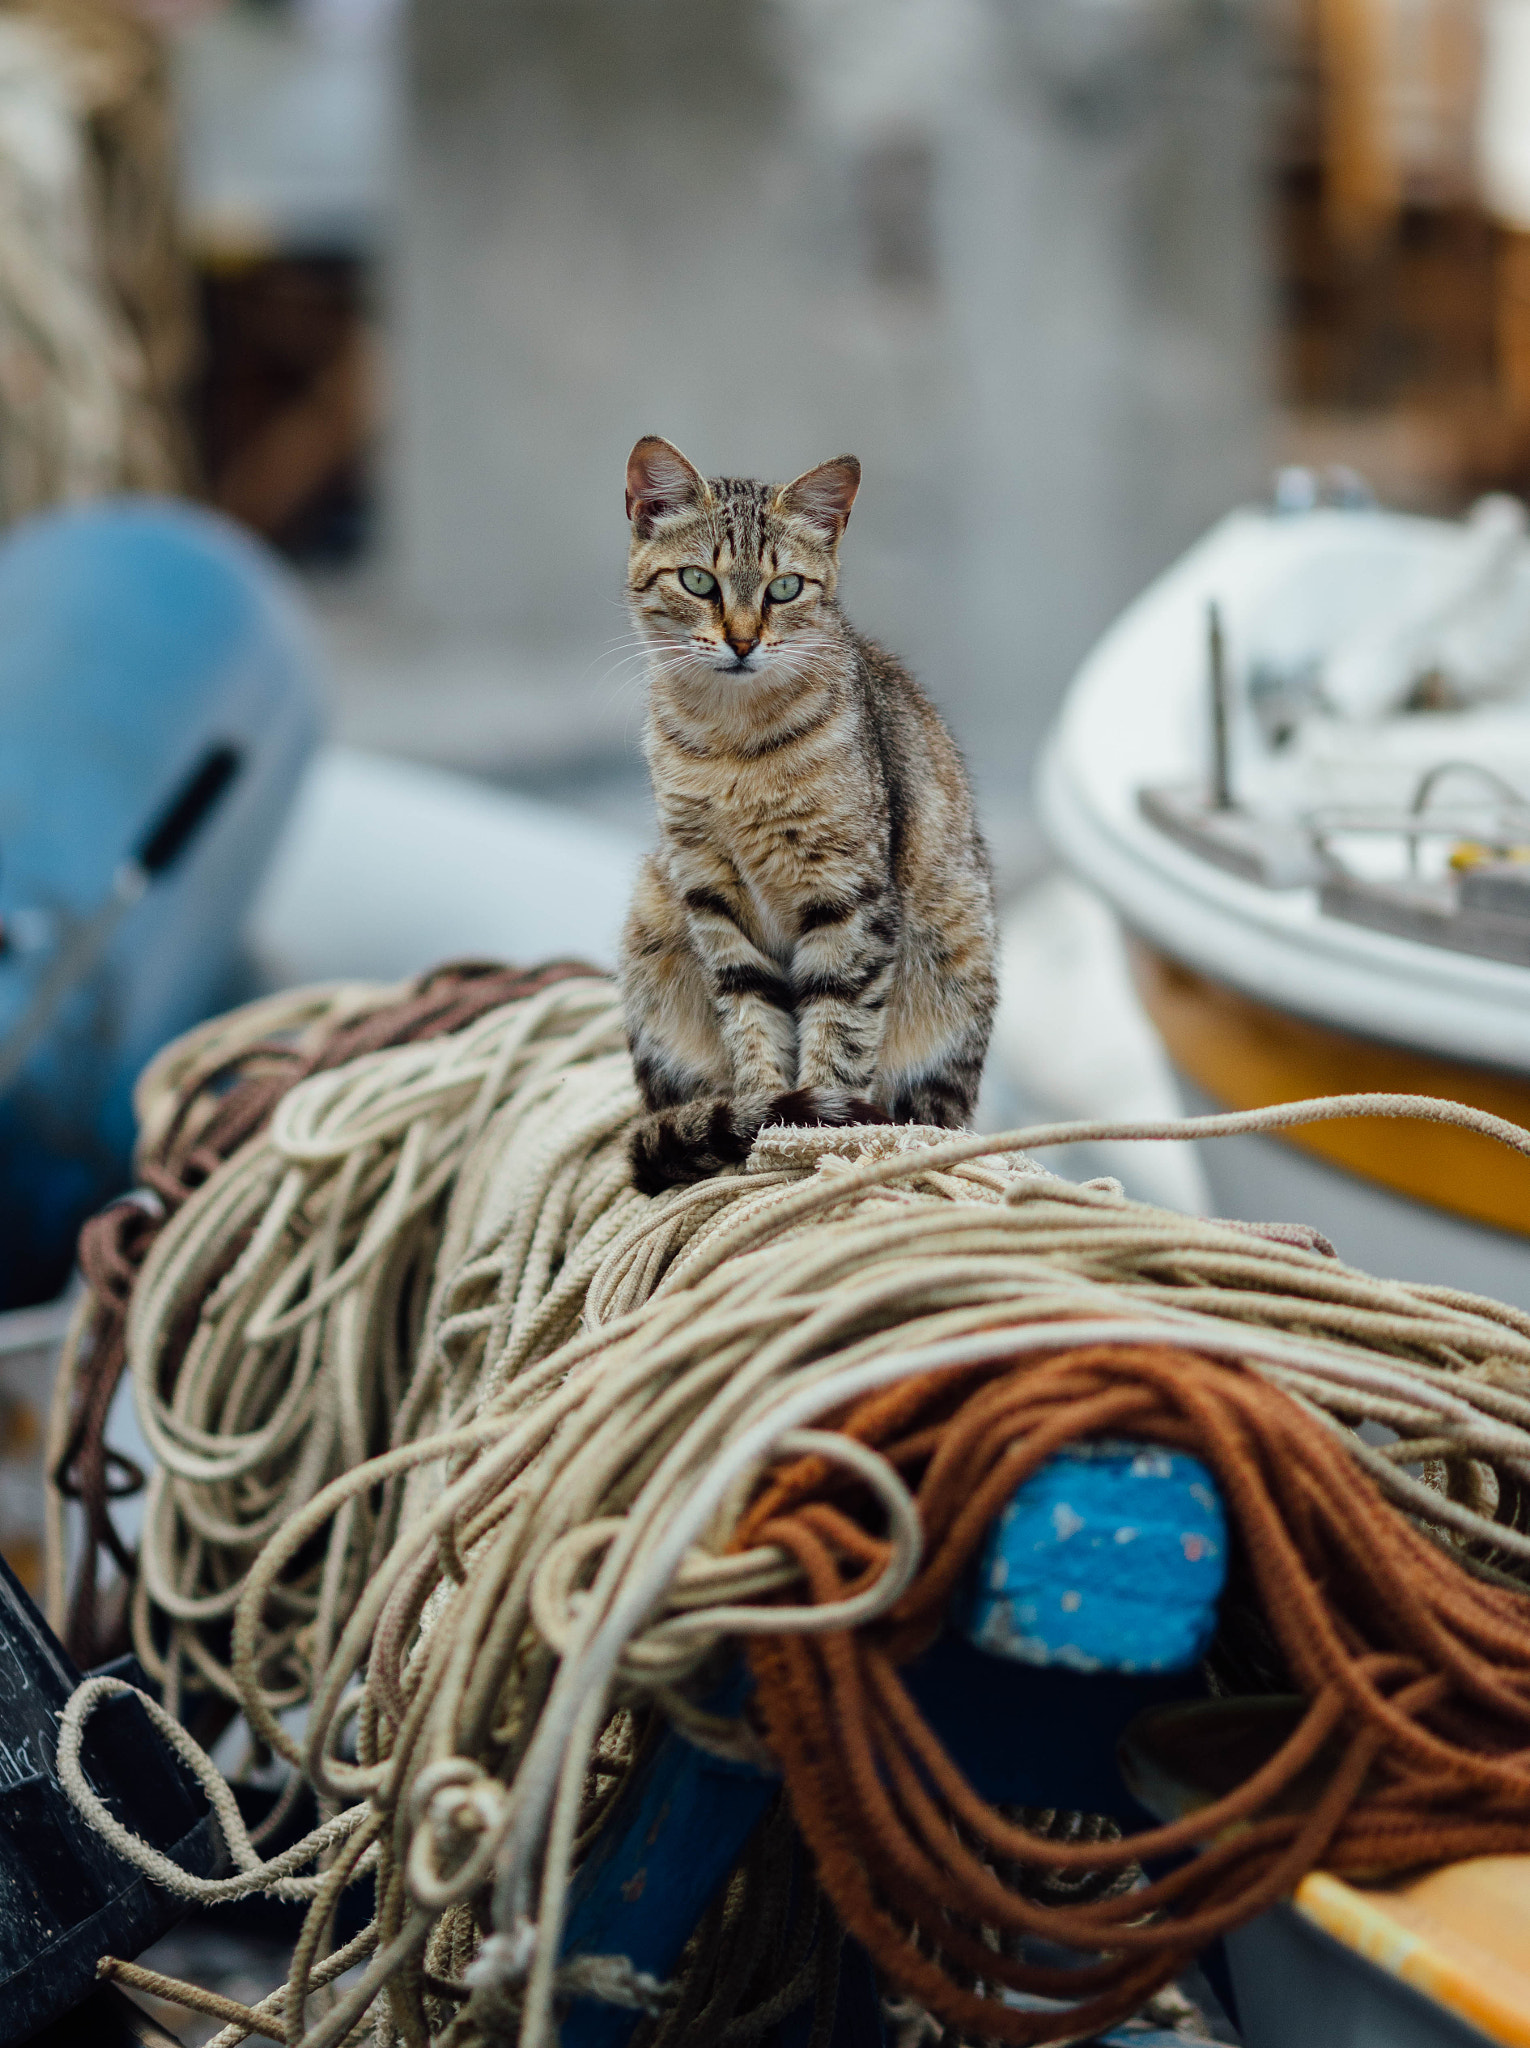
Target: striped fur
x,y
813,938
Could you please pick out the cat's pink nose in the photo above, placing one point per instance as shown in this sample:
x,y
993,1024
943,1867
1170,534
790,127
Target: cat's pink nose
x,y
743,646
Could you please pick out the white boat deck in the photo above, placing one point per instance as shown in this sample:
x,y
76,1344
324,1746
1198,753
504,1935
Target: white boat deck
x,y
1137,715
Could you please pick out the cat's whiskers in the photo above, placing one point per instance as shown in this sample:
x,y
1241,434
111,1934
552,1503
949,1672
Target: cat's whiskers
x,y
627,676
645,669
626,647
654,653
803,658
633,664
681,668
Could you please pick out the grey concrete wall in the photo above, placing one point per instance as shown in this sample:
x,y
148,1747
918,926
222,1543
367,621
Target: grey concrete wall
x,y
1007,251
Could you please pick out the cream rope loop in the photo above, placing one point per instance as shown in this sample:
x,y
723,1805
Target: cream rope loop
x,y
454,1806
273,1878
556,1606
464,1425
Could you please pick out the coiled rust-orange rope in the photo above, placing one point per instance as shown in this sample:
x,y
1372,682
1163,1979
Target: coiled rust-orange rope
x,y
1414,1678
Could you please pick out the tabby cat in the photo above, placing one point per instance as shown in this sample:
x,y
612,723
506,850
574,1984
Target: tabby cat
x,y
813,939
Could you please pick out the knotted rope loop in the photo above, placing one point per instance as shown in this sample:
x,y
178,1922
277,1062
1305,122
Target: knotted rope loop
x,y
458,1815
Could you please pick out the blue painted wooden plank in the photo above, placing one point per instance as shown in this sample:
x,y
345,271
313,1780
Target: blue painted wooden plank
x,y
1112,1557
677,1834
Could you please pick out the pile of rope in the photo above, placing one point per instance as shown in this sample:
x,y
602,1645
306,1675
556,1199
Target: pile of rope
x,y
97,334
470,1450
200,1102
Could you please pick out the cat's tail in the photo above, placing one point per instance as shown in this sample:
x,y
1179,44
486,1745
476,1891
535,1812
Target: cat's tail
x,y
672,1147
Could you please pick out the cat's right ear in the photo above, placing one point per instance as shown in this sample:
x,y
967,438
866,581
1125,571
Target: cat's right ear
x,y
823,496
660,482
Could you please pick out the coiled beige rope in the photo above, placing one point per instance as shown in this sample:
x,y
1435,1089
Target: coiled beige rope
x,y
463,1424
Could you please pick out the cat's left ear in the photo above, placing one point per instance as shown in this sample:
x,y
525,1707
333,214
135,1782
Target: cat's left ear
x,y
823,496
660,481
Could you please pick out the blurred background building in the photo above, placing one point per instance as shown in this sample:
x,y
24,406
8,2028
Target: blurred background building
x,y
398,285
1007,254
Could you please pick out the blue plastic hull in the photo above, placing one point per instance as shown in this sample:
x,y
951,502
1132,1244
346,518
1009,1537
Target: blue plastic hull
x,y
135,637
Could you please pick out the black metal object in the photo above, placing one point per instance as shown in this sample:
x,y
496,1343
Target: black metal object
x,y
66,1898
1216,678
188,810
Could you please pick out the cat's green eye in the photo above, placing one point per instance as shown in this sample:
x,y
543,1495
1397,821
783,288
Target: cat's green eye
x,y
699,582
784,589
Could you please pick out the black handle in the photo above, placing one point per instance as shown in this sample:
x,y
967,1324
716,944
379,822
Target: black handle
x,y
188,810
